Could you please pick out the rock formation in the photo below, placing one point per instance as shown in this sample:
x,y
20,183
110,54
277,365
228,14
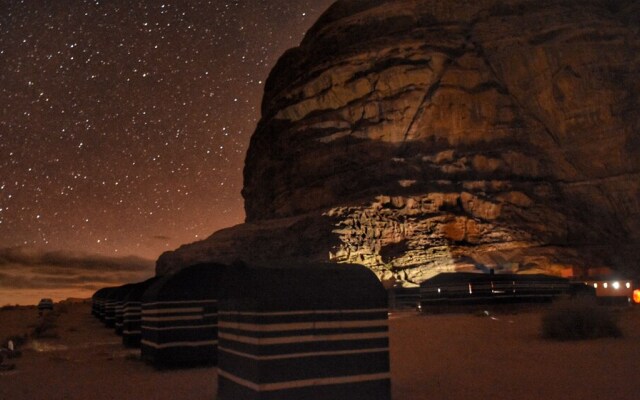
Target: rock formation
x,y
420,136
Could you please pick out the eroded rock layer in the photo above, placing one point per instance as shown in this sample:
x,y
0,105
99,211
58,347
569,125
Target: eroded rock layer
x,y
419,136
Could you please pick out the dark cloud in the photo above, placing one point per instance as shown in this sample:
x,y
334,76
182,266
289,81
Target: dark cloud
x,y
74,260
26,269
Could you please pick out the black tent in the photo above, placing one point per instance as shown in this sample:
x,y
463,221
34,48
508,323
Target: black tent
x,y
180,317
99,301
96,300
119,295
132,313
313,332
111,302
470,288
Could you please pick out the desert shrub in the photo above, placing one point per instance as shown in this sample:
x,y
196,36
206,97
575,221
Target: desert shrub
x,y
45,328
579,319
18,340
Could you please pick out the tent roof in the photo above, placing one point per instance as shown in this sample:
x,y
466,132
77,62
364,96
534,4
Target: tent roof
x,y
138,289
292,286
120,292
200,281
104,292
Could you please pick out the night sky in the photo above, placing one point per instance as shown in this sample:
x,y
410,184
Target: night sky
x,y
123,131
124,125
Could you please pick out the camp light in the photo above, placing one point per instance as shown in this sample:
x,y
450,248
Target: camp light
x,y
616,285
636,296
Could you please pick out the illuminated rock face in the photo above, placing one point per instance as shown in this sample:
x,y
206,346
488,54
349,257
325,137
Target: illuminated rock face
x,y
419,136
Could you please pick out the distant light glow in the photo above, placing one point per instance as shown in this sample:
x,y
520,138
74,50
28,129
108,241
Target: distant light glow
x,y
616,285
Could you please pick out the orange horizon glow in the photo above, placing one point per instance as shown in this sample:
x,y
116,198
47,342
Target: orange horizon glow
x,y
31,297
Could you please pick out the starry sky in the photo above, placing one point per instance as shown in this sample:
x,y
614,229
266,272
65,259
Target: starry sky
x,y
123,130
124,124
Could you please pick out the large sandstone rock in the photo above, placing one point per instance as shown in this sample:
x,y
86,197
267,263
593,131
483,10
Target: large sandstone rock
x,y
419,136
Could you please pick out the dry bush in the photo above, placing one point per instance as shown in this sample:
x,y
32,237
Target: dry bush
x,y
579,319
18,340
45,328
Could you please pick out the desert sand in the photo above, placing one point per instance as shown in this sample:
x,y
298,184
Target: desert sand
x,y
449,356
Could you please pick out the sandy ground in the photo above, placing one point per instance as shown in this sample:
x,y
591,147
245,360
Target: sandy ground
x,y
453,356
88,361
503,357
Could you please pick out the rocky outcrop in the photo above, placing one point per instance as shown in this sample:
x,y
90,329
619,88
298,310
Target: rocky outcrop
x,y
428,135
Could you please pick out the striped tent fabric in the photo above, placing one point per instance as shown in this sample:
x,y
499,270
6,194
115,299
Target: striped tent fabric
x,y
180,317
313,332
120,294
132,313
111,302
102,302
97,301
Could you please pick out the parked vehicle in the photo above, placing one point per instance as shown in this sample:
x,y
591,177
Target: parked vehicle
x,y
45,304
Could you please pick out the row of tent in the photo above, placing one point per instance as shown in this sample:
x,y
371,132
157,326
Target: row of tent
x,y
159,313
475,288
315,331
470,288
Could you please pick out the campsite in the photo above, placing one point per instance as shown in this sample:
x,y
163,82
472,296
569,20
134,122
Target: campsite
x,y
443,356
